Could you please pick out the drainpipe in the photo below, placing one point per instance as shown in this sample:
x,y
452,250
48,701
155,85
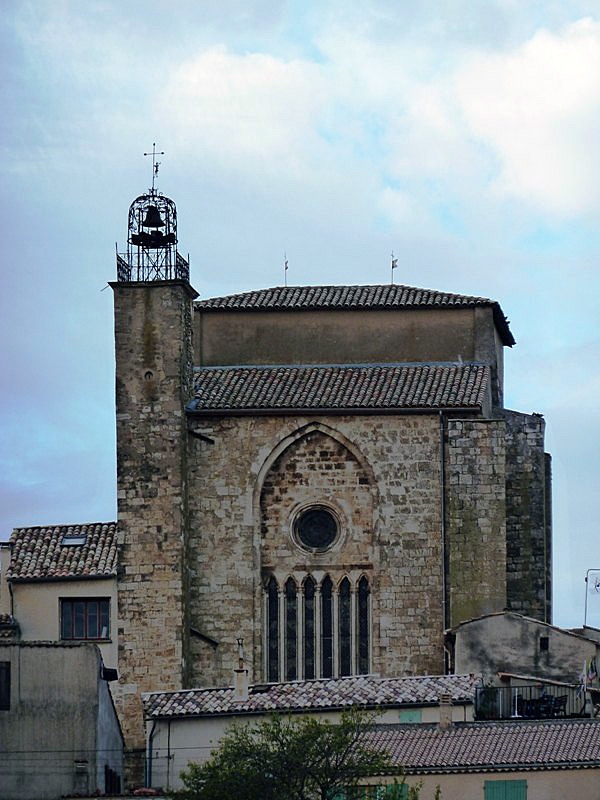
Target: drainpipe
x,y
168,755
149,758
444,533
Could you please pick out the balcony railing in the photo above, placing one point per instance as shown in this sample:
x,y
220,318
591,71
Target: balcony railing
x,y
529,702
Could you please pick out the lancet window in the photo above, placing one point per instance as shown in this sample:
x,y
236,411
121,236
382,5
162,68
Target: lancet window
x,y
317,630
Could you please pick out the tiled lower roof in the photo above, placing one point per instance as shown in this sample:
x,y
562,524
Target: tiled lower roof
x,y
329,693
363,298
470,747
387,386
38,553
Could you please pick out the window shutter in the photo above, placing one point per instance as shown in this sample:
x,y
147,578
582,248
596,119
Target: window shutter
x,y
505,790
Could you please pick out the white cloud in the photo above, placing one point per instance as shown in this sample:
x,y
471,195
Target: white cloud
x,y
253,108
538,109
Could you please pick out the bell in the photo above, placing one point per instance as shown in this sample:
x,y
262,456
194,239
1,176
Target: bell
x,y
153,218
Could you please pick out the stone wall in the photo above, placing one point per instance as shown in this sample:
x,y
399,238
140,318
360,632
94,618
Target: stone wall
x,y
153,381
380,472
528,530
476,518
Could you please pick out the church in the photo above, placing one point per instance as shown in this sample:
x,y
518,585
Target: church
x,y
324,476
327,473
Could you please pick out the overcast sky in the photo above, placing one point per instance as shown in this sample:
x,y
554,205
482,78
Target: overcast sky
x,y
461,134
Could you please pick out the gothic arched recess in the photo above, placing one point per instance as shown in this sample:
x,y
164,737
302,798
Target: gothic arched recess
x,y
315,503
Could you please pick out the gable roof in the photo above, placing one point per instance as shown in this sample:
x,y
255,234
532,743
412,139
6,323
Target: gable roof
x,y
363,298
490,746
327,693
577,633
346,387
38,553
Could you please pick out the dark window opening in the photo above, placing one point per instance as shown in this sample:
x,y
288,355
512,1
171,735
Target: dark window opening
x,y
112,781
316,528
309,628
291,631
309,635
345,629
327,628
85,619
272,631
4,685
544,644
363,626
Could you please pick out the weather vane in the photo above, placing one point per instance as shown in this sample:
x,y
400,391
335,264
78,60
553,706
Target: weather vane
x,y
394,265
285,267
155,163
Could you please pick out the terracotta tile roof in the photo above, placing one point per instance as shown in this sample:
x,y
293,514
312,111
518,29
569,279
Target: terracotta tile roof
x,y
547,744
361,690
378,297
39,553
340,387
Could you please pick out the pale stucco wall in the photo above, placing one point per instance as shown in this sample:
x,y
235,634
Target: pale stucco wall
x,y
178,742
541,785
511,643
49,735
36,607
326,337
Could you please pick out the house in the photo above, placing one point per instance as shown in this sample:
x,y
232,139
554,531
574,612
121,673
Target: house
x,y
59,583
509,643
59,731
186,726
523,760
424,723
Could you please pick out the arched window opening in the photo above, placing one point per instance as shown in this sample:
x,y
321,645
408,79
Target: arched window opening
x,y
344,623
363,626
327,628
272,631
313,631
309,628
291,631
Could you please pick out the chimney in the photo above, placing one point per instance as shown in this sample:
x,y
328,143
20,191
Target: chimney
x,y
241,676
445,701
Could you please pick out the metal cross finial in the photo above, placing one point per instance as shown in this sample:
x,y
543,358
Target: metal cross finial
x,y
155,163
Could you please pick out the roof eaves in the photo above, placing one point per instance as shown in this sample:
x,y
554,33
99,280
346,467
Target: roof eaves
x,y
324,410
60,578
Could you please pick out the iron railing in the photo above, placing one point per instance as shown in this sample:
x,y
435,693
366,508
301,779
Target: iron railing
x,y
131,267
529,702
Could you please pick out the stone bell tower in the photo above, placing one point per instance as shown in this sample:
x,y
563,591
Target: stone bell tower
x,y
153,342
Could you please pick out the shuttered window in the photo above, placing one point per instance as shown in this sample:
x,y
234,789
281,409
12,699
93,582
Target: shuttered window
x,y
505,790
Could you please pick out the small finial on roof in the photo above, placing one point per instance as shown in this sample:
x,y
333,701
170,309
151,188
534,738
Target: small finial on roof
x,y
394,265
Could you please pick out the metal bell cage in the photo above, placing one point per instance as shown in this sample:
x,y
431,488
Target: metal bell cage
x,y
152,242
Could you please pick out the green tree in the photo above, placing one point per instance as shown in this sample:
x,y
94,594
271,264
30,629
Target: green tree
x,y
288,759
